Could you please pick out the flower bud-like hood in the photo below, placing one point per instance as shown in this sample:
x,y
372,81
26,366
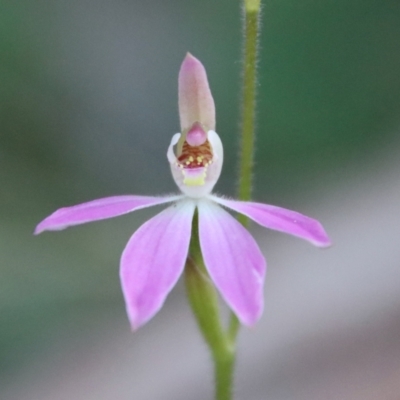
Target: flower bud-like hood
x,y
196,154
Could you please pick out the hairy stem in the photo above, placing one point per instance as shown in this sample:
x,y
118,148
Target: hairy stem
x,y
250,52
251,30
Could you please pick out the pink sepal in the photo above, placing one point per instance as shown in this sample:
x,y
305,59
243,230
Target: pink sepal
x,y
99,209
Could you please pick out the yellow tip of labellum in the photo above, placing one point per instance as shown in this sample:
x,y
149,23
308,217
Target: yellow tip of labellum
x,y
192,178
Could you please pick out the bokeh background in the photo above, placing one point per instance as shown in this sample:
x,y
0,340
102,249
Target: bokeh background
x,y
88,104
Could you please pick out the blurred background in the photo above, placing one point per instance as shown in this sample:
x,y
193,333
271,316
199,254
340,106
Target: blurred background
x,y
88,104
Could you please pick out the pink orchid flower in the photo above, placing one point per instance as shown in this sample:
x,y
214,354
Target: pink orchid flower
x,y
155,255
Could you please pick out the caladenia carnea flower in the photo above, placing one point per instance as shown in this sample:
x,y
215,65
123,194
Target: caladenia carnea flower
x,y
155,255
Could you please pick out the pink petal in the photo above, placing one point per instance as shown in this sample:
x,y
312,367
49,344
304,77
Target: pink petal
x,y
280,219
95,210
233,260
196,103
154,259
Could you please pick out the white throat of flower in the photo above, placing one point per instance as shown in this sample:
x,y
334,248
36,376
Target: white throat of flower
x,y
196,159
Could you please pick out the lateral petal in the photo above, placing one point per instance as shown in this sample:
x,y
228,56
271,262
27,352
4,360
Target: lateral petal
x,y
154,259
280,219
233,260
96,210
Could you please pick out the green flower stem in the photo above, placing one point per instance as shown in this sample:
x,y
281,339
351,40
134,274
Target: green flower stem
x,y
233,328
250,52
251,30
203,300
252,5
224,368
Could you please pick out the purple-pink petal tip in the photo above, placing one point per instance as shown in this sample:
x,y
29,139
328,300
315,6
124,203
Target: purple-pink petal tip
x,y
281,219
97,210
